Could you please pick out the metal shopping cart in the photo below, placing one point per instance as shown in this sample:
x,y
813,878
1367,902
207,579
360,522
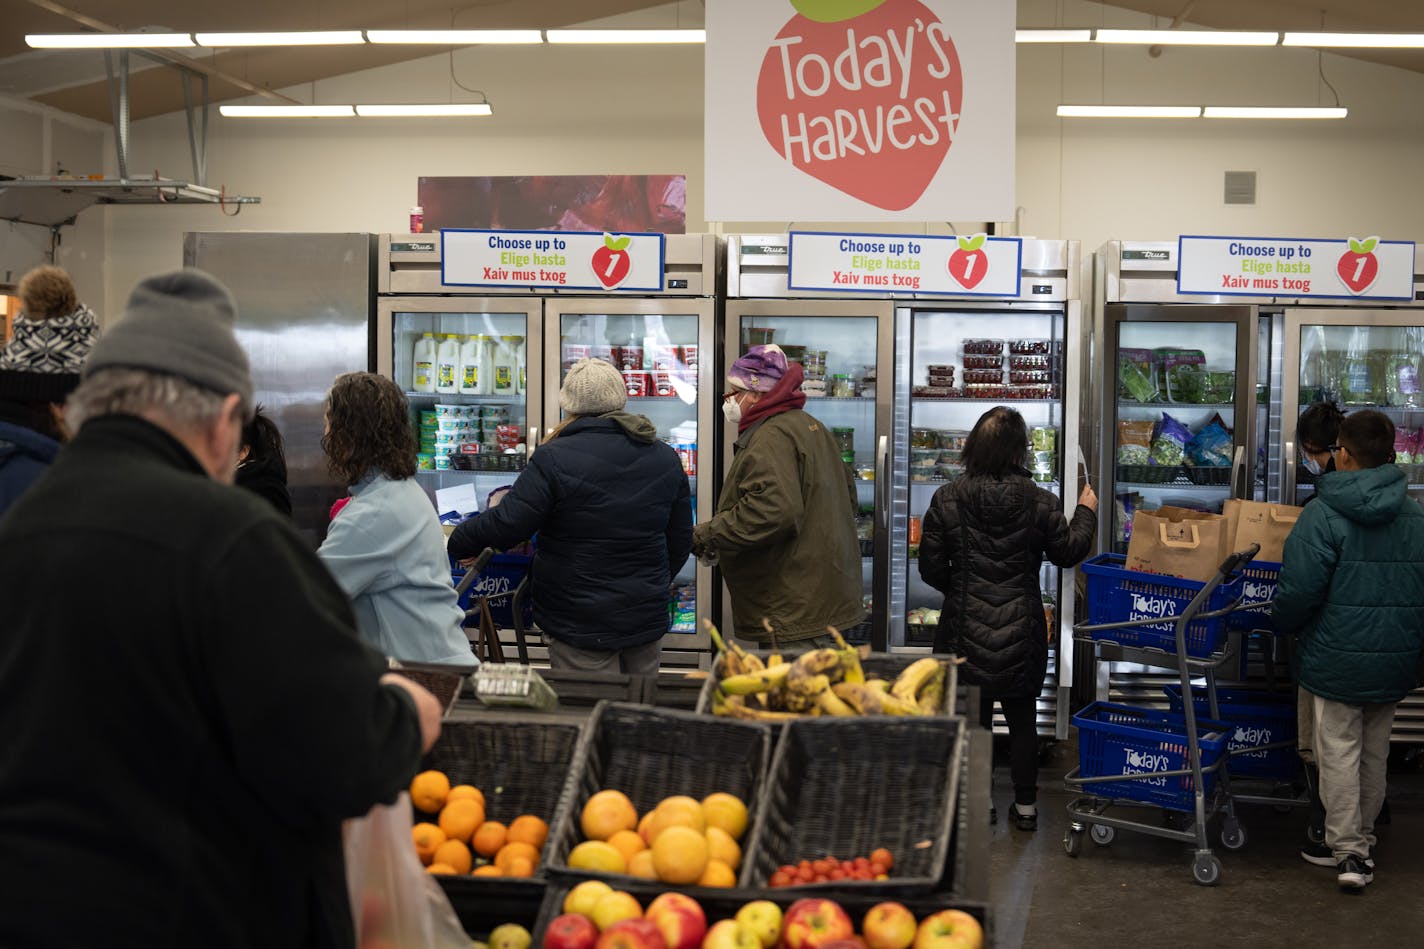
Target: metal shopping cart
x,y
1173,761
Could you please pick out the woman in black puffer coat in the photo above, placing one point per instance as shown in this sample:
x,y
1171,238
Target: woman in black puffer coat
x,y
984,540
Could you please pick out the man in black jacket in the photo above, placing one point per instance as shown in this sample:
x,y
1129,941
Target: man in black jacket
x,y
188,713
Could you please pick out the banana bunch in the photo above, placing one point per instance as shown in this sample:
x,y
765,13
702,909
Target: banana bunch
x,y
825,681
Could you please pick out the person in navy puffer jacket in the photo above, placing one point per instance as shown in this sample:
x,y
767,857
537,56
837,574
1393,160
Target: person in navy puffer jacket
x,y
611,506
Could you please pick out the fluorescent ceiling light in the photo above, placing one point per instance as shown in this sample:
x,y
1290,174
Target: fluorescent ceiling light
x,y
1053,36
1188,37
454,37
626,36
287,111
437,108
1379,40
1272,112
109,40
316,38
1129,111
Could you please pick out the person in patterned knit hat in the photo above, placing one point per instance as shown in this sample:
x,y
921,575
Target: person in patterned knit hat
x,y
38,369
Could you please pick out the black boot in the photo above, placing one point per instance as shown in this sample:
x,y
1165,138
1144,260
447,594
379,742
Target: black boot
x,y
1024,820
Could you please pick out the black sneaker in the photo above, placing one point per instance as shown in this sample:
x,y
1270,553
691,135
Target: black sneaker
x,y
1353,874
1024,820
1318,854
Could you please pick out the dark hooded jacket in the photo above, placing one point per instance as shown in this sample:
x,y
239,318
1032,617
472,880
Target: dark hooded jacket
x,y
613,512
1352,585
25,454
983,543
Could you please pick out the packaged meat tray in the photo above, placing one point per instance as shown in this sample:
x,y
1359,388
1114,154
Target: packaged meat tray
x,y
973,377
1030,347
984,347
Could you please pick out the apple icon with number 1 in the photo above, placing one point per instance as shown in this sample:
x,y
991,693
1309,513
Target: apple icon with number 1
x,y
969,264
612,263
950,929
1358,266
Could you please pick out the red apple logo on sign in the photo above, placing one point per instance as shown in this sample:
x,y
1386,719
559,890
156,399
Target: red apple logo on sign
x,y
612,263
863,95
1358,266
969,264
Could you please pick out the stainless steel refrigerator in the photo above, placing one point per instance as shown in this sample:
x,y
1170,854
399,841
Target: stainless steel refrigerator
x,y
880,357
670,336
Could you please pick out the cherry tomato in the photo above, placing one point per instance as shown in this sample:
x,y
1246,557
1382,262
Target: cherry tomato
x,y
837,874
877,868
803,865
862,863
821,866
822,878
787,869
882,856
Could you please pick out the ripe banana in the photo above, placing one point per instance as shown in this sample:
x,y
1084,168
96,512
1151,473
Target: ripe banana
x,y
830,704
816,662
932,695
734,706
763,680
907,686
880,685
869,701
809,686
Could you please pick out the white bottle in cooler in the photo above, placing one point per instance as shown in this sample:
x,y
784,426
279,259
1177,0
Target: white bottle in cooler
x,y
447,364
505,370
471,355
520,382
423,364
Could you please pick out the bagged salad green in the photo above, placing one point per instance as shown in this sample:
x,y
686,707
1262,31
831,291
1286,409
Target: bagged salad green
x,y
1211,447
1134,441
1135,376
1169,444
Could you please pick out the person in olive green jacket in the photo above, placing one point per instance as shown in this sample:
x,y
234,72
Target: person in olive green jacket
x,y
784,531
1352,585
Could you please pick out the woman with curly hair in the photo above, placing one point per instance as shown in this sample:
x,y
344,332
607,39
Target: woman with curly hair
x,y
386,549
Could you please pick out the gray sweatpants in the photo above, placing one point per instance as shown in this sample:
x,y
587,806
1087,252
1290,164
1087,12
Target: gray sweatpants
x,y
1351,750
639,660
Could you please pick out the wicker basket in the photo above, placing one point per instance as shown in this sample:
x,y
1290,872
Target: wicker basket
x,y
877,665
442,681
843,787
653,753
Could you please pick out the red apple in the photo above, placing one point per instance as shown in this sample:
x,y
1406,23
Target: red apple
x,y
812,923
854,942
949,929
888,926
679,918
571,931
631,934
730,934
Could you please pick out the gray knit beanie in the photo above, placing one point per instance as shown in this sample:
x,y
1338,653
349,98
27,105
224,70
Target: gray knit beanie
x,y
593,387
180,323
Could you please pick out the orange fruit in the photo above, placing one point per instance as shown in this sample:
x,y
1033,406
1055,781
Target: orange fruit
x,y
519,867
460,819
510,851
727,812
488,870
461,791
627,842
444,868
489,838
680,855
676,812
428,791
529,829
721,846
606,813
428,839
452,853
597,855
642,865
644,826
717,874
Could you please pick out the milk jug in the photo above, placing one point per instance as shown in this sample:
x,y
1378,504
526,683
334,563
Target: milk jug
x,y
505,370
474,374
447,365
424,363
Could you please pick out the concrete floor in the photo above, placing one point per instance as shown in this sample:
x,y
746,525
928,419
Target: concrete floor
x,y
1138,890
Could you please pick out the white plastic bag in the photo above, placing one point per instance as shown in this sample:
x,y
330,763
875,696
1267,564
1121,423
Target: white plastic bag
x,y
394,902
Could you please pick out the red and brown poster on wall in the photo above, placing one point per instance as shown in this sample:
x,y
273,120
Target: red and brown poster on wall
x,y
608,203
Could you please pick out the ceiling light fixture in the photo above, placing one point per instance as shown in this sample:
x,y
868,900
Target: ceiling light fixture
x,y
311,38
109,40
424,110
1053,36
626,36
1188,37
287,111
1376,40
1273,112
454,37
1129,111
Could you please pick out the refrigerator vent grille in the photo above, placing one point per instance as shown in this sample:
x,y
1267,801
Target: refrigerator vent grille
x,y
1241,187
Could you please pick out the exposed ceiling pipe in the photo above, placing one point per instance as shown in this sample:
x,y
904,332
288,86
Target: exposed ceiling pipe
x,y
1177,21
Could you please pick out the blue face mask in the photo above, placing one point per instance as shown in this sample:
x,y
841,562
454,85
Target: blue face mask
x,y
1311,465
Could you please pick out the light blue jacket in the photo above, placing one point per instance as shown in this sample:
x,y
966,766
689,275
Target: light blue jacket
x,y
386,550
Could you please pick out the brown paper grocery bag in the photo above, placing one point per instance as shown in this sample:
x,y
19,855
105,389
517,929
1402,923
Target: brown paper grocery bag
x,y
1256,522
1178,542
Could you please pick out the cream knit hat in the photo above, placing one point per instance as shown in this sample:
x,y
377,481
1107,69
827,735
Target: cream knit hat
x,y
593,387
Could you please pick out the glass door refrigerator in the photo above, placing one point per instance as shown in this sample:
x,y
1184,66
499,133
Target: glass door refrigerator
x,y
521,341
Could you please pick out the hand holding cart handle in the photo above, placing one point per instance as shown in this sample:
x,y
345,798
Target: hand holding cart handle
x,y
477,567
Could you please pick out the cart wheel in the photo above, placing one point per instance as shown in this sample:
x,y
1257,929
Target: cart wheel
x,y
1102,834
1073,840
1233,835
1315,833
1206,869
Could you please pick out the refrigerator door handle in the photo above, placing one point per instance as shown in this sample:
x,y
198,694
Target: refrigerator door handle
x,y
1238,473
882,480
533,438
1288,474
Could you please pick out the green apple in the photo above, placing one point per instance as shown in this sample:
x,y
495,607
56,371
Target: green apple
x,y
762,917
510,936
834,11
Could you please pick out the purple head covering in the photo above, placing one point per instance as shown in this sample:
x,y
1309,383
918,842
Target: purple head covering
x,y
759,369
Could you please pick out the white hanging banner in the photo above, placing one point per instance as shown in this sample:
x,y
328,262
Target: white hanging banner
x,y
976,265
859,110
568,260
1355,268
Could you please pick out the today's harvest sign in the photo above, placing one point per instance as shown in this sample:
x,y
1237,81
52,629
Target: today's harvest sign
x,y
860,110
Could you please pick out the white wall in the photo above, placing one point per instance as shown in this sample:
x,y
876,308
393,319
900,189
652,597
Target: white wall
x,y
630,110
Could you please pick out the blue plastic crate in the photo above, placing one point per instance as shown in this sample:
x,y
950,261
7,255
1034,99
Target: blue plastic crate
x,y
1124,740
498,581
1116,595
1258,586
1260,718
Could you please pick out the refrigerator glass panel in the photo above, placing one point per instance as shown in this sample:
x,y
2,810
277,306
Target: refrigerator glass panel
x,y
962,365
1175,419
838,354
466,378
659,358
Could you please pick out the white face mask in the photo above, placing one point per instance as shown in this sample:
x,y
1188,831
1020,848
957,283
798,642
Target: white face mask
x,y
732,409
1311,465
